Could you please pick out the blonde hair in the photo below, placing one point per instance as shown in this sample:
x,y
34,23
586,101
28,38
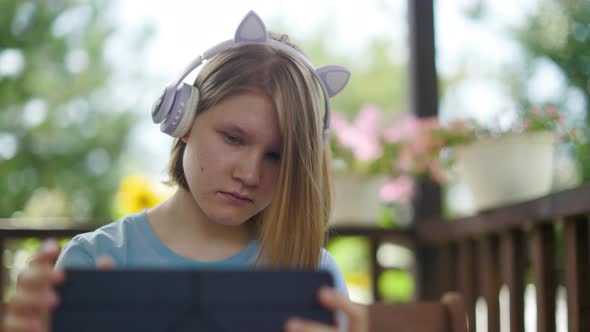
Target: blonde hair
x,y
292,229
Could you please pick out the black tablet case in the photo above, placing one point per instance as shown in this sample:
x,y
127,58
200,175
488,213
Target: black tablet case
x,y
181,300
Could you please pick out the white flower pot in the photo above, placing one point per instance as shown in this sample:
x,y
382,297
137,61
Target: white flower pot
x,y
356,199
508,169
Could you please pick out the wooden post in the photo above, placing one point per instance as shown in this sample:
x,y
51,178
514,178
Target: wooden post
x,y
424,93
577,274
424,102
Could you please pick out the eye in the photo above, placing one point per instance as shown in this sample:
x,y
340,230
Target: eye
x,y
231,139
275,156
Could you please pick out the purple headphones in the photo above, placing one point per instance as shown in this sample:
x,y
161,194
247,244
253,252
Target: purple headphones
x,y
176,107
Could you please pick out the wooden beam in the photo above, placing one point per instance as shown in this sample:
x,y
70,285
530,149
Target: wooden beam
x,y
423,90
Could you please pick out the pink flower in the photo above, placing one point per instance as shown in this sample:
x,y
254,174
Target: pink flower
x,y
527,125
551,110
437,172
345,133
429,123
403,129
537,111
398,190
405,159
367,120
361,137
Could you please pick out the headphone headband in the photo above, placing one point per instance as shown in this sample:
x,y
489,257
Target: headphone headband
x,y
251,31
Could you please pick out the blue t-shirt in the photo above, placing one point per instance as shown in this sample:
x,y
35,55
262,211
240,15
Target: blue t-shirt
x,y
131,242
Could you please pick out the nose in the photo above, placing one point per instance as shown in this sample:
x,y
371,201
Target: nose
x,y
248,170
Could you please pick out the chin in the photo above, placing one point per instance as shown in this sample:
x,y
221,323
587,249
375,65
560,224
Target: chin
x,y
229,220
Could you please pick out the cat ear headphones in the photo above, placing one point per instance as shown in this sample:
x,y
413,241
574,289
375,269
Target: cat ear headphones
x,y
176,107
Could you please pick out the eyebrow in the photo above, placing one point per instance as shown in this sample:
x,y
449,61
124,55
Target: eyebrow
x,y
237,129
240,131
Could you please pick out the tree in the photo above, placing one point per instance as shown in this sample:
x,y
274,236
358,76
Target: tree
x,y
62,133
559,30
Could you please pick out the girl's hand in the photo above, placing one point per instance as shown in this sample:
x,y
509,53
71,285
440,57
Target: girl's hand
x,y
357,314
35,297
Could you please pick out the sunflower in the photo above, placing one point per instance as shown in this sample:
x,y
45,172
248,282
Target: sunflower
x,y
137,193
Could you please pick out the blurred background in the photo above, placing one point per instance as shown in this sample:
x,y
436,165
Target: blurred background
x,y
78,78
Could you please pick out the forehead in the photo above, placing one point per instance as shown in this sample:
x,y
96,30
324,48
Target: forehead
x,y
251,112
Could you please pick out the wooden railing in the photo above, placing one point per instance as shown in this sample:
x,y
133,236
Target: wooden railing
x,y
474,256
11,229
547,237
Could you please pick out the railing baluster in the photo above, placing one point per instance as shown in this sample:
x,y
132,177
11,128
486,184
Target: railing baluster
x,y
577,274
543,260
3,274
376,268
490,281
513,263
446,267
426,266
467,279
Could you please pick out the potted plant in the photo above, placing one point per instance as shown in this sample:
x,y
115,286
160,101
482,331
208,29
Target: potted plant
x,y
357,153
498,165
508,166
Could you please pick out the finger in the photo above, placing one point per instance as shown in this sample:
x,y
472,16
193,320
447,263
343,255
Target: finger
x,y
47,254
333,300
32,303
302,325
105,263
17,324
57,277
35,278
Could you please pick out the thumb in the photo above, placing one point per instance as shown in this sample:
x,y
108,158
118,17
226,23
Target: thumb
x,y
48,253
105,263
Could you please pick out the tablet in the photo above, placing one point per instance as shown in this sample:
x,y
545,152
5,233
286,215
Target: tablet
x,y
187,300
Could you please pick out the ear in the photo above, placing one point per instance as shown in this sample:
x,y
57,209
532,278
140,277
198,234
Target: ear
x,y
251,29
334,78
185,137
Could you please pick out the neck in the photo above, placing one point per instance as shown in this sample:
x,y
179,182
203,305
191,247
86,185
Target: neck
x,y
180,222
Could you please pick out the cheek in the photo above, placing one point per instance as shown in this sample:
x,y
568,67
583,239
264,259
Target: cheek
x,y
271,179
195,163
204,163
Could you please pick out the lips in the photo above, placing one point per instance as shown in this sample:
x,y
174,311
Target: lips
x,y
237,196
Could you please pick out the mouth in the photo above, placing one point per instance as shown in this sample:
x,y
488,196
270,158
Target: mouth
x,y
236,196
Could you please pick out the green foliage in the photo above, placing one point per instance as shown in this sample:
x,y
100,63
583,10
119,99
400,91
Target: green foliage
x,y
396,285
62,131
16,257
350,253
560,31
375,77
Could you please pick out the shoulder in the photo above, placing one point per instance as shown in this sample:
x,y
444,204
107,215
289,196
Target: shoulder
x,y
84,248
328,263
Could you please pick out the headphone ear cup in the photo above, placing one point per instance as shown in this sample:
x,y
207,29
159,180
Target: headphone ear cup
x,y
184,107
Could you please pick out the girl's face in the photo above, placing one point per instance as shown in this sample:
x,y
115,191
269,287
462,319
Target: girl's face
x,y
232,158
